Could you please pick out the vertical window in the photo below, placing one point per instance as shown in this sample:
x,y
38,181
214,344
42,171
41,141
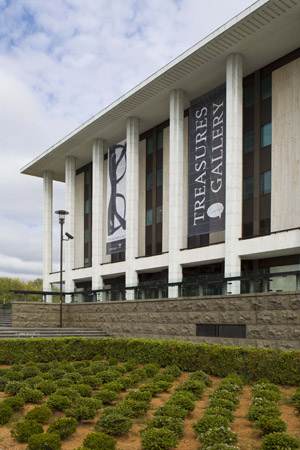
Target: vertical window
x,y
154,188
257,146
87,213
265,183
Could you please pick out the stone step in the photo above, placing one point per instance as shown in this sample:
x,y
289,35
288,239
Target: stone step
x,y
6,332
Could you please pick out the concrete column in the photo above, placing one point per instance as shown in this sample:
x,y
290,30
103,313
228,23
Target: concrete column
x,y
132,203
98,214
234,168
69,247
47,232
176,187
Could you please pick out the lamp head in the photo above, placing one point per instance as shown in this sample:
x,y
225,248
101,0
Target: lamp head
x,y
61,214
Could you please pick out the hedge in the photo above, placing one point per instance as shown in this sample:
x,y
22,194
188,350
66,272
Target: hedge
x,y
280,367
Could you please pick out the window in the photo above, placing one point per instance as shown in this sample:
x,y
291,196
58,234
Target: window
x,y
159,214
248,141
159,177
265,183
266,135
249,96
248,188
149,181
266,87
87,214
221,330
149,217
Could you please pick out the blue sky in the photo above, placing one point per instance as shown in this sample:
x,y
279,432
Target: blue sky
x,y
61,62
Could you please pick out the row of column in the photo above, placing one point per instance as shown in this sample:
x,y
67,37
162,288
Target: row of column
x,y
233,218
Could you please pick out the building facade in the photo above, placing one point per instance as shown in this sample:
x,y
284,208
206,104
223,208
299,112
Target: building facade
x,y
194,174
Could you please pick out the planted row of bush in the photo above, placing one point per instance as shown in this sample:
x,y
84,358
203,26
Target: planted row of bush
x,y
264,413
166,427
212,429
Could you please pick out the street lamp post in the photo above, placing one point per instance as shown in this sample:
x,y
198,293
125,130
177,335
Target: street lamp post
x,y
61,214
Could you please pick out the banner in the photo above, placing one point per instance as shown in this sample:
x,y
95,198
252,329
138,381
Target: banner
x,y
116,199
207,141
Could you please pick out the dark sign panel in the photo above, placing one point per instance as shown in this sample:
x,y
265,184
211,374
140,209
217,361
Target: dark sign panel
x,y
116,199
207,140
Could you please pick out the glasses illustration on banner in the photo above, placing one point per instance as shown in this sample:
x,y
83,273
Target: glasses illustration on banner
x,y
117,202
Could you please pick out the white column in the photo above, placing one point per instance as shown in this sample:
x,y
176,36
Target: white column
x,y
69,247
132,203
98,214
176,187
234,168
47,232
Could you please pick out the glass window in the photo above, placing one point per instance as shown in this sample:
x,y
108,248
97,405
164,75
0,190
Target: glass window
x,y
249,96
149,217
86,177
86,236
149,146
266,135
86,206
248,141
86,262
265,183
160,140
159,211
149,181
248,188
266,87
159,177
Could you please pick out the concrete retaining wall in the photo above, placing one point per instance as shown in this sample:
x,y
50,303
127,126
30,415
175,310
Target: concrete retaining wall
x,y
272,319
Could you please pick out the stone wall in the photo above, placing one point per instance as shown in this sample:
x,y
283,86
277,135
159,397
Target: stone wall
x,y
272,319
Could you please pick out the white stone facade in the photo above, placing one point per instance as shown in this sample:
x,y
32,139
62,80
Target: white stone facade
x,y
226,57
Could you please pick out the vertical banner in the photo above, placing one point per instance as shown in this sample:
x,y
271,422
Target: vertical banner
x,y
207,141
116,199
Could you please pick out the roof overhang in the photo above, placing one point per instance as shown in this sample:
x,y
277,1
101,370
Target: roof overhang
x,y
262,33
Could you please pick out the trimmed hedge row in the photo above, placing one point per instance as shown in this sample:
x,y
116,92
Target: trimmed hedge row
x,y
280,367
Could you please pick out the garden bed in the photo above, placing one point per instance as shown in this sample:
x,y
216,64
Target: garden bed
x,y
29,374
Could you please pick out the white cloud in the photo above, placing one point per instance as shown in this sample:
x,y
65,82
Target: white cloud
x,y
61,61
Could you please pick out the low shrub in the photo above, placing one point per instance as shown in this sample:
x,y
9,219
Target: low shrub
x,y
59,402
23,430
133,408
69,392
138,375
13,387
5,413
29,372
62,382
194,386
130,365
268,424
84,408
106,396
171,423
97,358
223,403
182,400
157,387
64,427
84,390
201,376
159,439
222,446
34,381
171,411
209,421
129,382
14,402
113,361
255,412
161,376
40,413
223,435
48,387
11,375
219,411
116,386
114,423
108,376
144,396
173,370
151,369
74,377
31,395
282,441
39,441
226,395
99,441
92,380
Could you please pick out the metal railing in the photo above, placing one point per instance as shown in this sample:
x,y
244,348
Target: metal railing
x,y
215,284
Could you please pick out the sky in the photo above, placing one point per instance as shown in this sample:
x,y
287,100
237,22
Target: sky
x,y
61,62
